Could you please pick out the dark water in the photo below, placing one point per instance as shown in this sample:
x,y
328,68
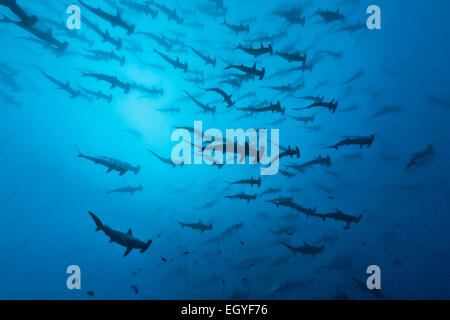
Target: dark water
x,y
47,190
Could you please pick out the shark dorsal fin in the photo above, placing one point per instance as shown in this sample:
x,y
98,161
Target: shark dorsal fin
x,y
130,233
306,245
254,65
199,221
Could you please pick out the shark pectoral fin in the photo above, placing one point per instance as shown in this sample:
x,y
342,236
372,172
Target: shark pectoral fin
x,y
122,173
127,251
109,170
111,240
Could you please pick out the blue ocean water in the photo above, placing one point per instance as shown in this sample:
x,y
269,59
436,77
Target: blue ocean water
x,y
47,190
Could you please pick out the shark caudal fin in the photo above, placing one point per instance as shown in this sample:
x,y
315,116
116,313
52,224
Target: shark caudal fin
x,y
263,72
359,218
147,245
136,171
80,155
289,247
182,224
97,221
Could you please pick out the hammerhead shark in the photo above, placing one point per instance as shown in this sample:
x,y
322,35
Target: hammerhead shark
x,y
169,110
124,239
129,189
153,91
286,173
63,86
351,28
330,16
312,98
105,55
160,40
288,202
292,57
226,97
237,28
206,108
305,249
207,59
272,108
115,20
361,141
97,94
112,164
332,105
232,228
234,147
322,161
197,226
171,14
303,119
357,75
164,160
250,181
113,80
257,51
270,191
242,196
25,19
419,158
106,37
249,70
286,88
281,201
340,216
288,153
175,63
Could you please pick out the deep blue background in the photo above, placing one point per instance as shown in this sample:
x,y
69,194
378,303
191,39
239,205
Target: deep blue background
x,y
46,190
